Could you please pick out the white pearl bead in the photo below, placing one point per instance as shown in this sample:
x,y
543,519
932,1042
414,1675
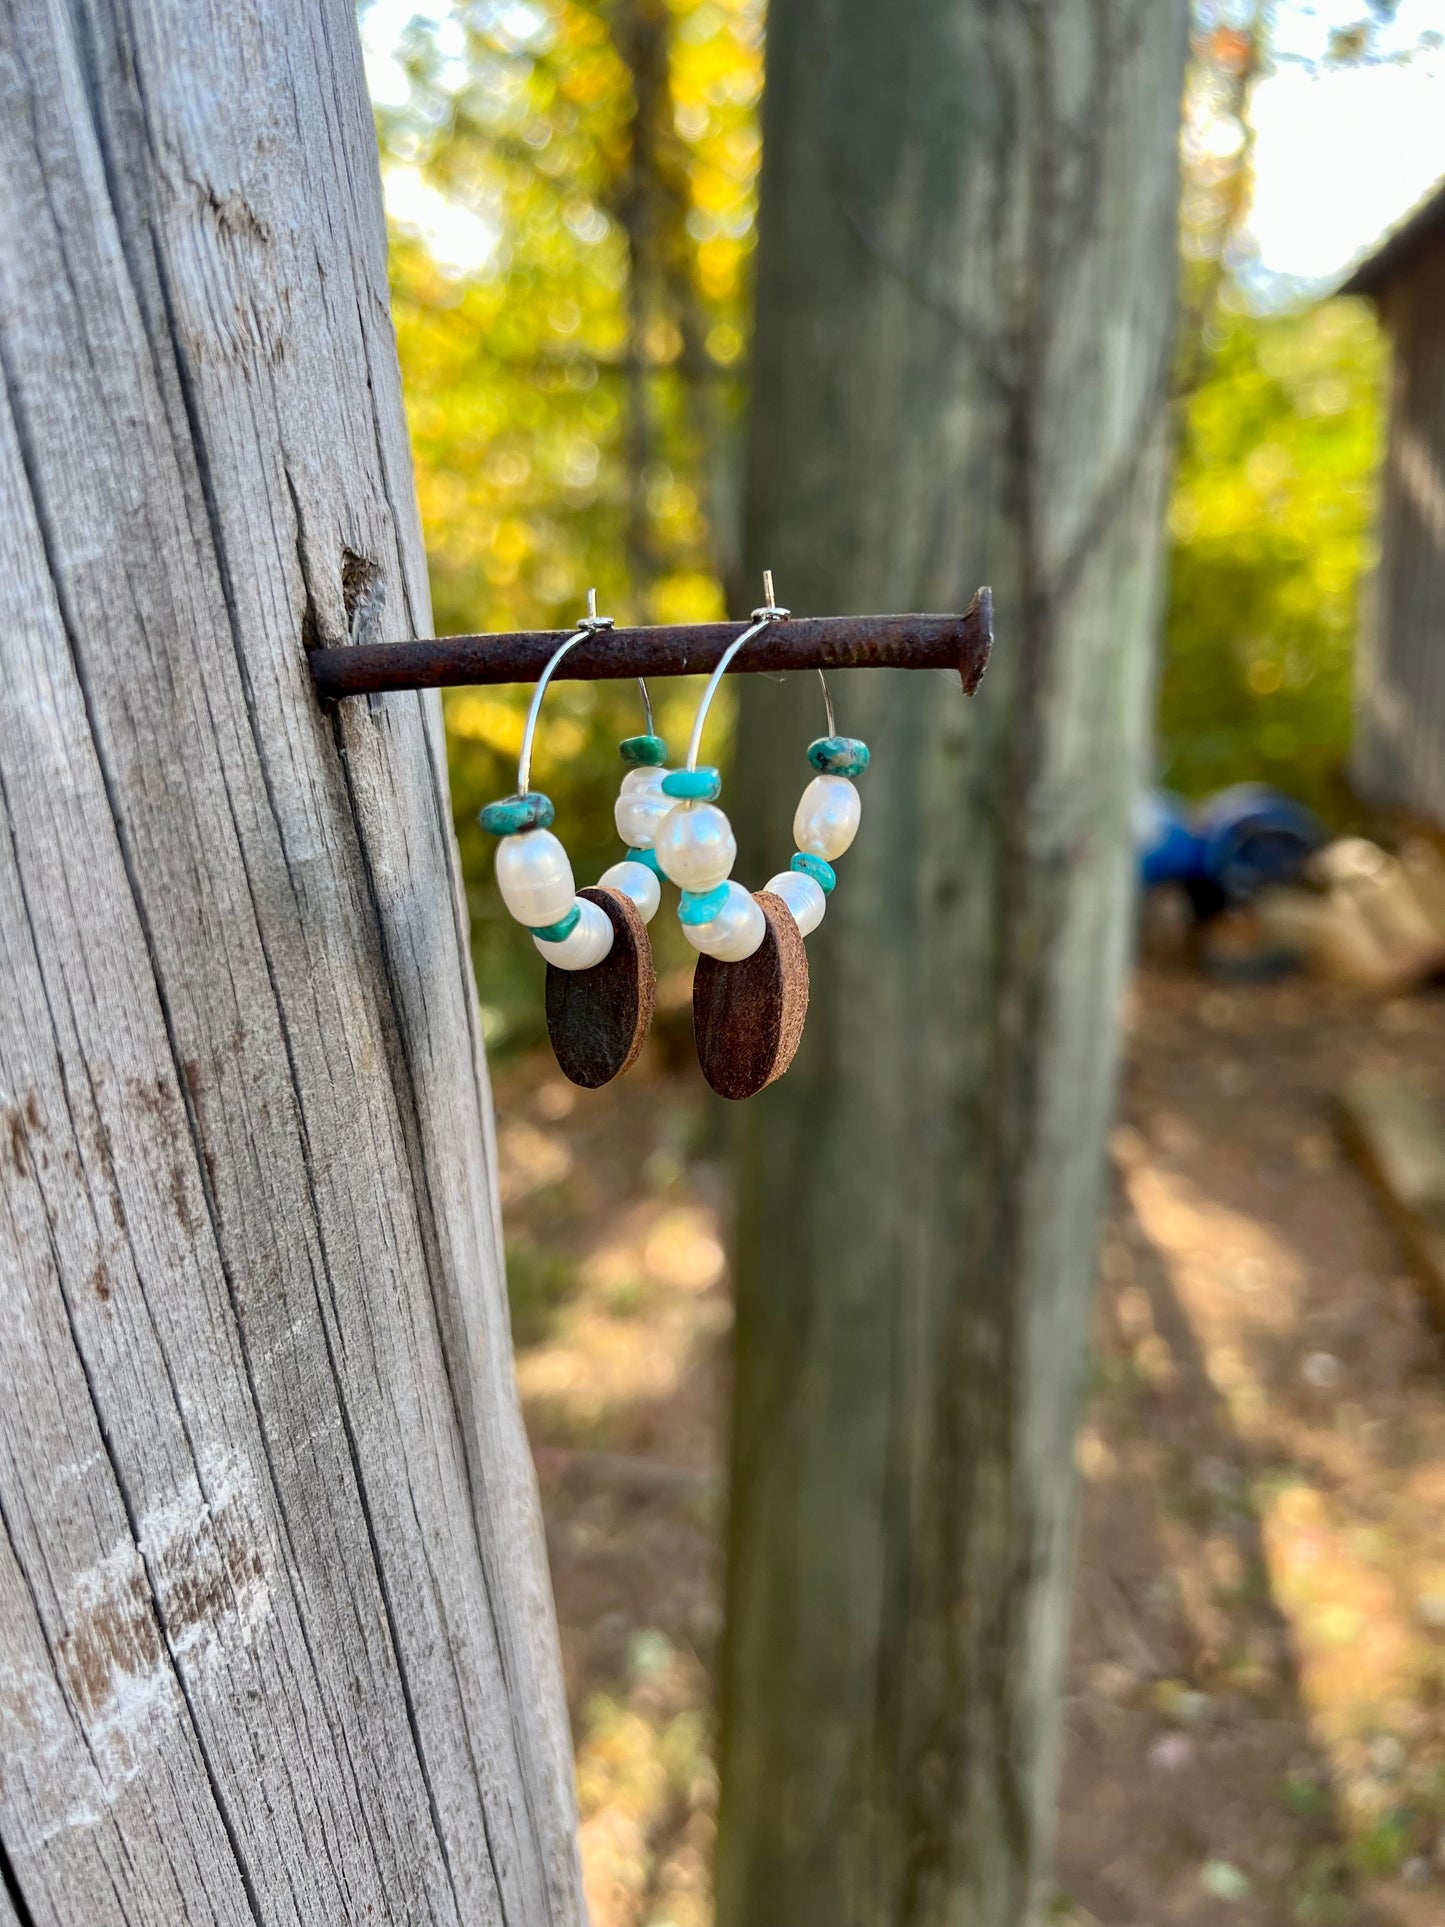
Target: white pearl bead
x,y
827,817
587,943
635,880
640,807
535,878
734,933
803,895
695,846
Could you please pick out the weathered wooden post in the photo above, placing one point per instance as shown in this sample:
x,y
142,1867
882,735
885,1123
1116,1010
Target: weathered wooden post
x,y
965,323
276,1639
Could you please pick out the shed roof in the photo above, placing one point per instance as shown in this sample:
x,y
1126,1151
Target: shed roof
x,y
1395,254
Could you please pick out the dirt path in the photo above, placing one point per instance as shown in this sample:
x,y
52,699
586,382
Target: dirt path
x,y
1255,1729
1255,1723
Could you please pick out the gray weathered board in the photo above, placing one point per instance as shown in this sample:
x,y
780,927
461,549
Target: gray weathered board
x,y
1398,757
276,1637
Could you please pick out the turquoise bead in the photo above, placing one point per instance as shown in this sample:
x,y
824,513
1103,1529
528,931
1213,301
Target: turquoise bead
x,y
816,867
555,932
701,906
692,785
839,755
533,811
649,858
643,752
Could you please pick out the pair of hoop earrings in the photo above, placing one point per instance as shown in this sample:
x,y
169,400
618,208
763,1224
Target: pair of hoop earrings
x,y
750,987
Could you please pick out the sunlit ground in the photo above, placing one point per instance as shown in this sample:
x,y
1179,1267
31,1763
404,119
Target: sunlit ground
x,y
1255,1720
621,1312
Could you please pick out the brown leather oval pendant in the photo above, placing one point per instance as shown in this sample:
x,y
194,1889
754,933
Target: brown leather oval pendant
x,y
748,1017
598,1018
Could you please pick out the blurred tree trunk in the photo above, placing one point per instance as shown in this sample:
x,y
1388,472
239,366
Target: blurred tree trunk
x,y
651,208
965,324
640,33
276,1637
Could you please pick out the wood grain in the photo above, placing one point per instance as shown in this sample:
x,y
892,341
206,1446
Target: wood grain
x,y
748,1017
598,1019
276,1640
1398,755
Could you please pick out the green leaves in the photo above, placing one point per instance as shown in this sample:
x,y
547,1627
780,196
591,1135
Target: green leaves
x,y
1272,515
571,385
574,196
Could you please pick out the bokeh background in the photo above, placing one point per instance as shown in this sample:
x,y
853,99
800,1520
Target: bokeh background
x,y
1255,1723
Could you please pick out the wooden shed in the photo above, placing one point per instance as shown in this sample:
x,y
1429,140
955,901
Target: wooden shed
x,y
1399,748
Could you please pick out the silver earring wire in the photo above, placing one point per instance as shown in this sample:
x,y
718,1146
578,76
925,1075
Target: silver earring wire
x,y
591,625
594,625
828,704
761,617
